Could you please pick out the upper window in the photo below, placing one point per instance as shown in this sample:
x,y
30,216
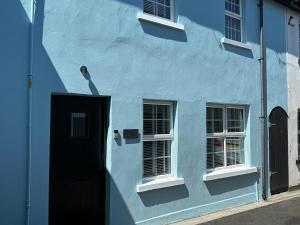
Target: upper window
x,y
160,8
157,138
233,20
225,136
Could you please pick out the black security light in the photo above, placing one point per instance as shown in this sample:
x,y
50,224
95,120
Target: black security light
x,y
83,70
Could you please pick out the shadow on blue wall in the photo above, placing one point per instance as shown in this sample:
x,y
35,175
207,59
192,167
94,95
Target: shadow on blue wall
x,y
13,114
222,186
92,86
163,32
239,51
165,195
120,214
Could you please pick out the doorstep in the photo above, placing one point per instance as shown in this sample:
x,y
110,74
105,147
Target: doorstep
x,y
239,209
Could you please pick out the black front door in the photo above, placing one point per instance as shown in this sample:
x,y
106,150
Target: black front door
x,y
77,165
278,145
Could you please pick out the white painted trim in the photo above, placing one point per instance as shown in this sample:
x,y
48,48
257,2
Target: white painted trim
x,y
232,172
235,43
159,183
160,21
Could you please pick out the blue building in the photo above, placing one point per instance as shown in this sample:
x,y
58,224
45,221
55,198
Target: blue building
x,y
135,112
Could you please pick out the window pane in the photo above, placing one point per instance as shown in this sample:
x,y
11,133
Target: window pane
x,y
157,119
233,6
78,125
149,7
157,158
233,28
161,8
235,153
149,127
149,111
214,120
215,152
163,121
235,120
163,111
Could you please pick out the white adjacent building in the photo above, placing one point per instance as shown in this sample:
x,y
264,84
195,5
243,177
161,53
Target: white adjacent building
x,y
293,77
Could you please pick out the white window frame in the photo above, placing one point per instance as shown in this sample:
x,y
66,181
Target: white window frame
x,y
160,137
225,134
171,11
236,16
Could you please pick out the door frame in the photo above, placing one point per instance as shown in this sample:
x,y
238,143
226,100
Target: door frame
x,y
105,133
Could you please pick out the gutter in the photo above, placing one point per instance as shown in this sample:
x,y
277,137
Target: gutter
x,y
263,106
29,119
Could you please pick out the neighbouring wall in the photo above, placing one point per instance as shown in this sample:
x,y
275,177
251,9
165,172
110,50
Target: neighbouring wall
x,y
14,62
293,76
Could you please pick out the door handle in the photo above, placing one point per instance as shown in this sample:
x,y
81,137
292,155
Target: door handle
x,y
272,173
272,124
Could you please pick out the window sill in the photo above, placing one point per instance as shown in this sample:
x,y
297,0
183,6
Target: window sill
x,y
235,43
232,172
160,21
159,183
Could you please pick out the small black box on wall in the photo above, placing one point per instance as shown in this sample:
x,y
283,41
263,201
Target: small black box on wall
x,y
130,133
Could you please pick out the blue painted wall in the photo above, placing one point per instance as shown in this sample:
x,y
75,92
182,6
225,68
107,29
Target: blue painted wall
x,y
14,63
131,60
275,40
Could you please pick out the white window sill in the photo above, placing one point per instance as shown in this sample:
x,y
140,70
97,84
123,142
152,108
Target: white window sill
x,y
160,21
229,172
235,43
159,183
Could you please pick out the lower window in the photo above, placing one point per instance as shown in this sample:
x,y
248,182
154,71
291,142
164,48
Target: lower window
x,y
225,136
157,138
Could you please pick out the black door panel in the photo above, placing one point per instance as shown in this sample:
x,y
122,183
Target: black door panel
x,y
278,145
77,182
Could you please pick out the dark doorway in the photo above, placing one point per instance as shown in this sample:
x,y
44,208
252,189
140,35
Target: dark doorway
x,y
77,160
278,145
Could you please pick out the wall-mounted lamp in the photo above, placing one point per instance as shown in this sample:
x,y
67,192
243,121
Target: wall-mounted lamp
x,y
291,21
83,70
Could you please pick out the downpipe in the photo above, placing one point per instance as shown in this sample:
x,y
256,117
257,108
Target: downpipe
x,y
263,105
29,119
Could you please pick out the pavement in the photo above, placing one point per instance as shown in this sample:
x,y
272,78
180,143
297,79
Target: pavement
x,y
282,209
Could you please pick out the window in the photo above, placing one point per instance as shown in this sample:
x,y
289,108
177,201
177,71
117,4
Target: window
x,y
160,8
157,138
78,125
298,134
225,128
233,20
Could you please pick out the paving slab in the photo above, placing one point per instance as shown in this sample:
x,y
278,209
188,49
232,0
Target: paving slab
x,y
283,209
